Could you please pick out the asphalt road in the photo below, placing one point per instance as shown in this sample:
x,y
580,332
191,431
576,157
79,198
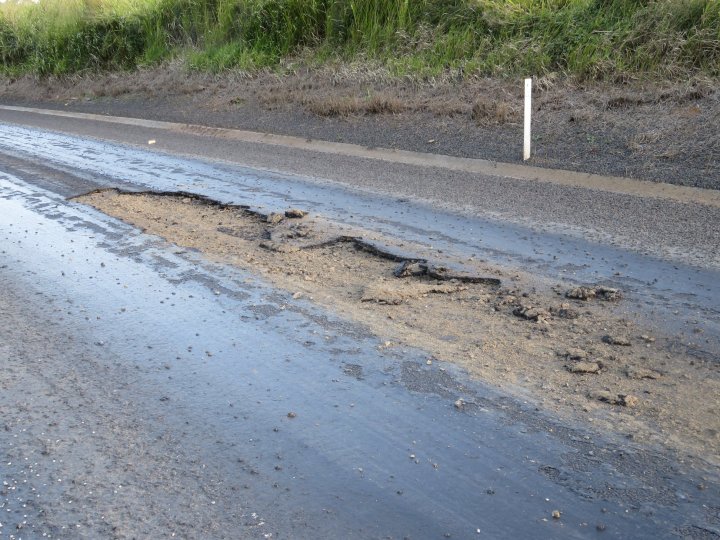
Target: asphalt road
x,y
149,393
650,221
662,245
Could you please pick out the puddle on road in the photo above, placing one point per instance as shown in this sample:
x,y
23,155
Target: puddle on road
x,y
575,356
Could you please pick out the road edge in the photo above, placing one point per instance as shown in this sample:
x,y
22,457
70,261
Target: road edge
x,y
613,184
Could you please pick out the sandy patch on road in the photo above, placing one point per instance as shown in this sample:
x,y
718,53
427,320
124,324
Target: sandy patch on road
x,y
570,350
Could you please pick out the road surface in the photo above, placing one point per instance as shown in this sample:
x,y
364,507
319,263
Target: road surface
x,y
148,392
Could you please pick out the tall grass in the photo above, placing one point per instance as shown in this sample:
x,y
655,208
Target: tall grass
x,y
589,38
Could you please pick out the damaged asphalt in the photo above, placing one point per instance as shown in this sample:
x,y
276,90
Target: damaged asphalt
x,y
150,392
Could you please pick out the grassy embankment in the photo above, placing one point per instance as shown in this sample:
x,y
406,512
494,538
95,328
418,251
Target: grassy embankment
x,y
587,38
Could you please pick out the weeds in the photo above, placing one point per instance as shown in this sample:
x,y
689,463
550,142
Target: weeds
x,y
597,39
488,112
351,106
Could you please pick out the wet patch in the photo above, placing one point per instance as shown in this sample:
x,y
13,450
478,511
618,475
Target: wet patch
x,y
162,262
423,379
264,311
209,282
697,533
353,370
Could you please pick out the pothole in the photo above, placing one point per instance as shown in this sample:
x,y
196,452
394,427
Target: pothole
x,y
496,324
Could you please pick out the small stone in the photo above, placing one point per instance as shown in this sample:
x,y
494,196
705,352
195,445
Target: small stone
x,y
603,395
410,269
291,414
295,213
274,218
575,354
641,373
583,367
628,400
580,293
608,294
586,293
297,295
460,404
556,514
531,313
567,313
617,340
429,362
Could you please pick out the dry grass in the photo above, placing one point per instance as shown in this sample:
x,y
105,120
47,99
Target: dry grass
x,y
492,112
680,93
640,141
353,106
448,108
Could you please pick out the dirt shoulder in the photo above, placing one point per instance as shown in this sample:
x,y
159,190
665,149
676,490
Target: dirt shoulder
x,y
659,132
573,351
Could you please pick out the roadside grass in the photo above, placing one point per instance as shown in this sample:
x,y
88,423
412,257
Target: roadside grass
x,y
352,106
591,39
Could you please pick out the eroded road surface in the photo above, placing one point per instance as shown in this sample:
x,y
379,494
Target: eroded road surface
x,y
181,359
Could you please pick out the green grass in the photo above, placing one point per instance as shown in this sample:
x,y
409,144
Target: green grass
x,y
594,39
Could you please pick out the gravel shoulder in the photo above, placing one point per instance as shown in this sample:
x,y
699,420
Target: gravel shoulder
x,y
659,132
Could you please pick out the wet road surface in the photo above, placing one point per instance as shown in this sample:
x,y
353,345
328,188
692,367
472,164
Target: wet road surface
x,y
283,421
673,273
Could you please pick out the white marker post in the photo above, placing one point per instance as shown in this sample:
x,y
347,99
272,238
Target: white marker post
x,y
528,114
